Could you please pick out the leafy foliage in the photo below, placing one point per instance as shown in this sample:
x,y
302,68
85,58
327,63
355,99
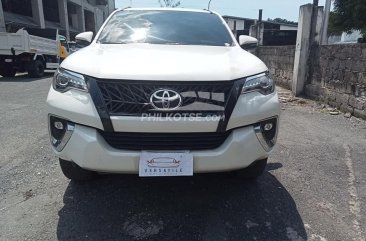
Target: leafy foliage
x,y
169,3
281,20
348,15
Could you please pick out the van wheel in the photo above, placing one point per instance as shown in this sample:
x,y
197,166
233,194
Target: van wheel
x,y
74,172
7,70
36,69
253,171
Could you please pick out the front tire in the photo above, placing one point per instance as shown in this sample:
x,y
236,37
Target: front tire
x,y
74,172
255,170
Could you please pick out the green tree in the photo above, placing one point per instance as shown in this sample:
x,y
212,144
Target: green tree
x,y
281,20
169,3
348,15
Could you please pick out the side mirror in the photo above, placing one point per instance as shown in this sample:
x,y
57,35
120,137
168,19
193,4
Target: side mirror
x,y
85,37
247,42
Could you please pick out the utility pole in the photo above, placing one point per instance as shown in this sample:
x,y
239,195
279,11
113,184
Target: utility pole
x,y
260,15
256,30
328,5
259,27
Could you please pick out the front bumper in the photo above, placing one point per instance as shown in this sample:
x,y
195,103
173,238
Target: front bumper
x,y
89,150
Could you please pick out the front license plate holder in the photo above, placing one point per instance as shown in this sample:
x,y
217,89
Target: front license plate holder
x,y
165,164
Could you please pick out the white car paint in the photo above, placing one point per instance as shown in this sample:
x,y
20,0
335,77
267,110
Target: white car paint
x,y
153,62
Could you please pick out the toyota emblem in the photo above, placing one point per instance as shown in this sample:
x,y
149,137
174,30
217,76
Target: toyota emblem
x,y
166,100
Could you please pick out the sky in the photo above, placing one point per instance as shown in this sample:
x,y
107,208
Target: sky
x,y
288,9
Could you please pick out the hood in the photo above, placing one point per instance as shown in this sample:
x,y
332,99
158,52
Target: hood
x,y
164,62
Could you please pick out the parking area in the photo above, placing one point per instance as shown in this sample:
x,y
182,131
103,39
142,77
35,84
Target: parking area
x,y
314,187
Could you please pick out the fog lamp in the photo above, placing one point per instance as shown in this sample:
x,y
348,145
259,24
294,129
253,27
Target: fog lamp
x,y
58,125
60,131
268,126
266,132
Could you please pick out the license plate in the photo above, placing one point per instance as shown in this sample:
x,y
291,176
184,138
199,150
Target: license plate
x,y
154,164
8,60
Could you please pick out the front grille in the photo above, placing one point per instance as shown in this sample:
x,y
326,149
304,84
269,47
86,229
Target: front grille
x,y
132,98
164,141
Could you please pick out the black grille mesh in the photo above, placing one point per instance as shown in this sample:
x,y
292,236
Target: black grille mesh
x,y
133,97
164,141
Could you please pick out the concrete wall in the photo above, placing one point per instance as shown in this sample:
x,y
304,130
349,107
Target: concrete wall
x,y
338,77
280,61
336,74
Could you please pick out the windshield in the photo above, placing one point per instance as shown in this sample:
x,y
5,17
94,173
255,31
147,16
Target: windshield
x,y
165,27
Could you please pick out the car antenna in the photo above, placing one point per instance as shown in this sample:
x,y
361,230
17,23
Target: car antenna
x,y
208,10
209,5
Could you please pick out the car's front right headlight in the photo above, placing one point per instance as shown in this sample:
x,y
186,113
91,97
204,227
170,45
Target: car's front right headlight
x,y
65,80
262,83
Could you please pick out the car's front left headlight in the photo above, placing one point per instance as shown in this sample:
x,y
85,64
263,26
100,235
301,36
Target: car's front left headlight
x,y
65,80
262,83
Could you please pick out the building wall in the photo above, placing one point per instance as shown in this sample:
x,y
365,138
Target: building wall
x,y
70,16
280,62
99,18
111,7
345,38
239,24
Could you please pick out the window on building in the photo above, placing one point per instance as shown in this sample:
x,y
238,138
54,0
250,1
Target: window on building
x,y
89,21
72,15
50,9
22,7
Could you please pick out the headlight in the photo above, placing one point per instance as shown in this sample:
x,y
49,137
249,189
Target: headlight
x,y
64,80
263,83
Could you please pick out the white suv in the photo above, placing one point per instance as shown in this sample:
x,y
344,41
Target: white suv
x,y
163,92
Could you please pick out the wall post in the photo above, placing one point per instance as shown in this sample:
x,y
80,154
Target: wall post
x,y
302,52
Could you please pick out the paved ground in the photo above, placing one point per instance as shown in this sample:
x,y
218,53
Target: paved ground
x,y
314,188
